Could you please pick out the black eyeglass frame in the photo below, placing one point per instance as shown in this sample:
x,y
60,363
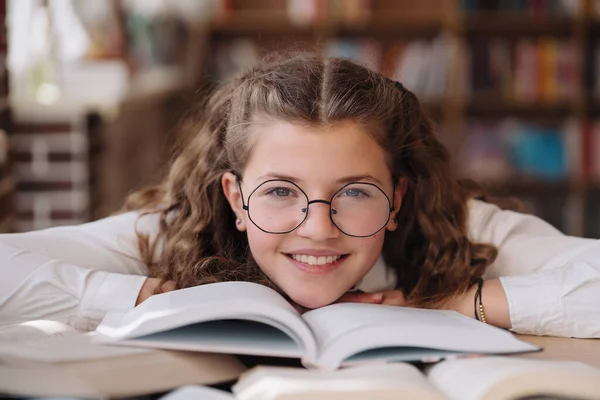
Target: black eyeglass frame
x,y
332,211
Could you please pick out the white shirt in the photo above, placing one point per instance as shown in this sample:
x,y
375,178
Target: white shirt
x,y
77,274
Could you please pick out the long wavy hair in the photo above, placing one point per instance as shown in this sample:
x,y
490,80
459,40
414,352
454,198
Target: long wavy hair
x,y
198,242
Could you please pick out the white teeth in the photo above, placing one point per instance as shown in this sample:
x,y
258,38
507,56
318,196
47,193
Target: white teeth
x,y
313,260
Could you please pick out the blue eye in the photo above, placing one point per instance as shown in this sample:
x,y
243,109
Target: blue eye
x,y
280,192
355,193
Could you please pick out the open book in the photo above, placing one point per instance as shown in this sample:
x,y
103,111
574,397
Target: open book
x,y
247,318
48,358
481,378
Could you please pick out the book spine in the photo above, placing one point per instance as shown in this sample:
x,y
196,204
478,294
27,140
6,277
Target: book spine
x,y
551,62
525,72
543,74
573,148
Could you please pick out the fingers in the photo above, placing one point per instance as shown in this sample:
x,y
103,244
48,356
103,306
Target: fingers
x,y
151,287
168,286
299,308
146,290
394,298
389,297
374,298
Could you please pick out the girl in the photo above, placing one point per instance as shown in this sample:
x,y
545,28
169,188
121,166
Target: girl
x,y
316,177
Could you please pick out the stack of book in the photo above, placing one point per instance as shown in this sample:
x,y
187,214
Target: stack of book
x,y
421,65
351,351
530,70
496,151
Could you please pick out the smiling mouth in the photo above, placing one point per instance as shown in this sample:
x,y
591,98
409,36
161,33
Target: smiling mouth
x,y
318,265
317,261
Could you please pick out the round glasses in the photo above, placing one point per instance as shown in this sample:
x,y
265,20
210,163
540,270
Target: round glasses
x,y
357,209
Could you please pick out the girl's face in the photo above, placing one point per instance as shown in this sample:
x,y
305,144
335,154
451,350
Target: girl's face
x,y
315,263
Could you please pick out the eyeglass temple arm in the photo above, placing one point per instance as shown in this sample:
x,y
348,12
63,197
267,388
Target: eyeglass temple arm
x,y
239,180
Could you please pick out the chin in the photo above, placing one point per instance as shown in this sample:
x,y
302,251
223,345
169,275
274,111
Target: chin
x,y
312,301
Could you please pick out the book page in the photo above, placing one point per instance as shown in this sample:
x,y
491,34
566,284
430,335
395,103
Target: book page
x,y
206,302
352,329
226,336
490,378
396,380
203,297
51,341
169,315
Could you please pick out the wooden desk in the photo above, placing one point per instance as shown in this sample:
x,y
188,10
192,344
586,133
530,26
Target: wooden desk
x,y
565,349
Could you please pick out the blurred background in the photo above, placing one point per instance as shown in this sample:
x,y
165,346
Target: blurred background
x,y
92,91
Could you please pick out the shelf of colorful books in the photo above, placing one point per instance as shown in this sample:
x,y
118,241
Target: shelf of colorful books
x,y
498,108
517,24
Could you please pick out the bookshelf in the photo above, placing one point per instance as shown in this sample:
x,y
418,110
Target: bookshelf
x,y
567,109
561,200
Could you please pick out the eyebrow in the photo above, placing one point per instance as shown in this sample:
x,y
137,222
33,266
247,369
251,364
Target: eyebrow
x,y
341,181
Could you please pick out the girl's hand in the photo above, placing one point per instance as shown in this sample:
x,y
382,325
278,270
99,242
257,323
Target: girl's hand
x,y
494,298
359,297
150,287
461,303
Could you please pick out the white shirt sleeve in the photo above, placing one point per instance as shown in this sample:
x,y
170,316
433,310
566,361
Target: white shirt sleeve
x,y
73,274
552,281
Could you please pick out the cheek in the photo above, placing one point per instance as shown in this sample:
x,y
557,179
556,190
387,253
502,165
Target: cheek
x,y
372,245
370,250
263,245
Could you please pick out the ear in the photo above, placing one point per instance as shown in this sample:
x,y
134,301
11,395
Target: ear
x,y
232,192
399,192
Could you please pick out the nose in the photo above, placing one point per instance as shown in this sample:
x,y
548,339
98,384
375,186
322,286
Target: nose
x,y
318,225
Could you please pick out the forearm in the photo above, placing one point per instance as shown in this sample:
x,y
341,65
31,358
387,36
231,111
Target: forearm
x,y
559,302
36,287
494,302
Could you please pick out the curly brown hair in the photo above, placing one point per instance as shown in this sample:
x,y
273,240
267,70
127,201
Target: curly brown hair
x,y
430,252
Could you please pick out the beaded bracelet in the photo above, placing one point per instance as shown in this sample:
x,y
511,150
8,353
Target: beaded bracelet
x,y
478,308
